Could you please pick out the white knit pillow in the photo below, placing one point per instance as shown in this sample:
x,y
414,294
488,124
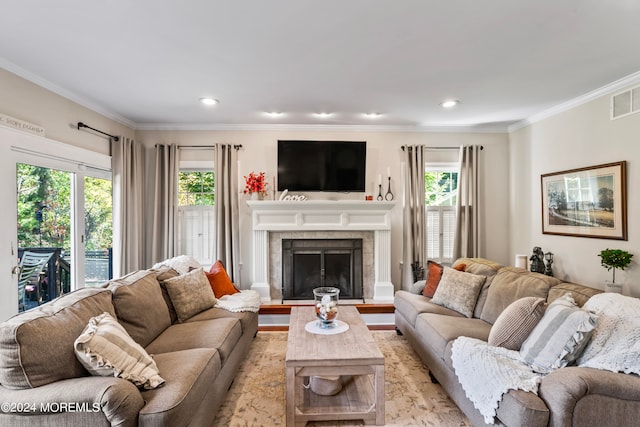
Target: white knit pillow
x,y
105,349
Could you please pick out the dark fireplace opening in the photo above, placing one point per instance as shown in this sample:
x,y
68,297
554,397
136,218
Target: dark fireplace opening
x,y
311,263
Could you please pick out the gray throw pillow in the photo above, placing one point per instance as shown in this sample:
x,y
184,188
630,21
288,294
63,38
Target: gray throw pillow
x,y
559,337
190,293
458,291
418,287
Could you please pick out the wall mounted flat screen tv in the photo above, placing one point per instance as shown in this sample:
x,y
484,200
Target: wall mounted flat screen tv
x,y
334,166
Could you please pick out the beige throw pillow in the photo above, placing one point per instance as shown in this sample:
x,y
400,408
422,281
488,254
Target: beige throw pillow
x,y
190,293
105,349
458,291
516,322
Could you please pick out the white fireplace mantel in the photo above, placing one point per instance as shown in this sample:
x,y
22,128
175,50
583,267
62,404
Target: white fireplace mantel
x,y
322,215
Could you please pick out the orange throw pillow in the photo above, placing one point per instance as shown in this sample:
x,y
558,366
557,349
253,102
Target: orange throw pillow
x,y
220,281
434,276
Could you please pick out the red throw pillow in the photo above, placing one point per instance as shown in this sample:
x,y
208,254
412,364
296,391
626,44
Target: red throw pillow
x,y
434,271
220,281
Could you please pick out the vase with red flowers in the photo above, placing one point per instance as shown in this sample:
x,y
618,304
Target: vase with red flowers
x,y
255,185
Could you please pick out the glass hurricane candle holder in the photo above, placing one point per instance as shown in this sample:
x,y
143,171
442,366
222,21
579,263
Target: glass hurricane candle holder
x,y
326,299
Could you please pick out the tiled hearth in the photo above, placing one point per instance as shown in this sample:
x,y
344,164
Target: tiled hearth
x,y
274,220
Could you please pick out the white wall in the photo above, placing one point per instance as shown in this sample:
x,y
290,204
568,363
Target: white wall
x,y
583,136
27,101
59,116
259,154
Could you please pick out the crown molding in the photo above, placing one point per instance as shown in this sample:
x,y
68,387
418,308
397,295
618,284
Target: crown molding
x,y
320,127
609,89
36,79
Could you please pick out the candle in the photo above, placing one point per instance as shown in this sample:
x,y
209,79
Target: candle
x,y
388,171
521,261
379,179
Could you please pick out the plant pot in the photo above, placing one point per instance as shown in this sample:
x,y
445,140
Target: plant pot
x,y
255,196
612,287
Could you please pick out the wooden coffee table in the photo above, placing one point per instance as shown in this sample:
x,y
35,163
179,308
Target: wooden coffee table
x,y
351,353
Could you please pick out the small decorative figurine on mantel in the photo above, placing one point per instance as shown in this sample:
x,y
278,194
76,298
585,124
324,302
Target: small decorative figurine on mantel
x,y
537,260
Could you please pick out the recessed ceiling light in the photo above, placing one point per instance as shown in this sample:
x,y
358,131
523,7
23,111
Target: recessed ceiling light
x,y
372,115
450,103
323,115
209,101
274,113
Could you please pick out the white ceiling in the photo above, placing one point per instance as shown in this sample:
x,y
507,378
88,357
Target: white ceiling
x,y
146,63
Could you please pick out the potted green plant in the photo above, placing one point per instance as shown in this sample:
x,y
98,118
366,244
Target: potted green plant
x,y
614,259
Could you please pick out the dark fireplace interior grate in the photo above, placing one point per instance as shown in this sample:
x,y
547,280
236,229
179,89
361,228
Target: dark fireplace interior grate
x,y
310,263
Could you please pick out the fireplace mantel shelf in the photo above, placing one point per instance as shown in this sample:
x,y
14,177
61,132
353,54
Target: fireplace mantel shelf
x,y
321,215
317,216
320,204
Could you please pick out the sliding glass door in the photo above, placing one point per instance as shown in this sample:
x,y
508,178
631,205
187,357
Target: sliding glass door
x,y
64,230
98,231
44,233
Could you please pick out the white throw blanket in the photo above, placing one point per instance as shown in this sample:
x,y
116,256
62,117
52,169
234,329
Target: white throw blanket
x,y
181,263
245,300
486,373
615,344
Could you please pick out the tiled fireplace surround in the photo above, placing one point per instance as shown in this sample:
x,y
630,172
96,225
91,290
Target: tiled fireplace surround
x,y
273,221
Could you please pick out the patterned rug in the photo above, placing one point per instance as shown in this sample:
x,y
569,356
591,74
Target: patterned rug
x,y
257,396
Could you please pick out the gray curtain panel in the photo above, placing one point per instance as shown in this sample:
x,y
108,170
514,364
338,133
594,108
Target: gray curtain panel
x,y
467,238
414,216
226,205
127,164
164,232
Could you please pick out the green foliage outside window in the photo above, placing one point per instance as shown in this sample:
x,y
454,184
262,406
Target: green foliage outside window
x,y
44,209
196,188
98,213
441,188
44,206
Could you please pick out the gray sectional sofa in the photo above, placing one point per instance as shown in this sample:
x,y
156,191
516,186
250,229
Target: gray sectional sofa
x,y
198,358
569,396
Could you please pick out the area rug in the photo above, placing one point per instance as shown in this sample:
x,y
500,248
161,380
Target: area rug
x,y
257,396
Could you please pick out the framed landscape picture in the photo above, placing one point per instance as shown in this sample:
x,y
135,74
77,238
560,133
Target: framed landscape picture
x,y
586,202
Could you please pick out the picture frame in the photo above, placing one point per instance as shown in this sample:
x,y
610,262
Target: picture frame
x,y
586,202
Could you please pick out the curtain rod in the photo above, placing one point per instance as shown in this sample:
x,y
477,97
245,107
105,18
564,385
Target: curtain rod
x,y
440,148
237,147
82,125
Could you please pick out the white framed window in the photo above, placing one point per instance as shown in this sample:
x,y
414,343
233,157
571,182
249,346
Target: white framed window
x,y
196,211
441,192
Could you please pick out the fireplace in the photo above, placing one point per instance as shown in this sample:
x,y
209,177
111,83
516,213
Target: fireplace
x,y
310,263
274,221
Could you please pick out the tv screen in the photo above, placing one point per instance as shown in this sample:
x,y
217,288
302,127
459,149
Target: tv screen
x,y
336,166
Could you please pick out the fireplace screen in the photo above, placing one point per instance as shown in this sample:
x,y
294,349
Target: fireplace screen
x,y
310,263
